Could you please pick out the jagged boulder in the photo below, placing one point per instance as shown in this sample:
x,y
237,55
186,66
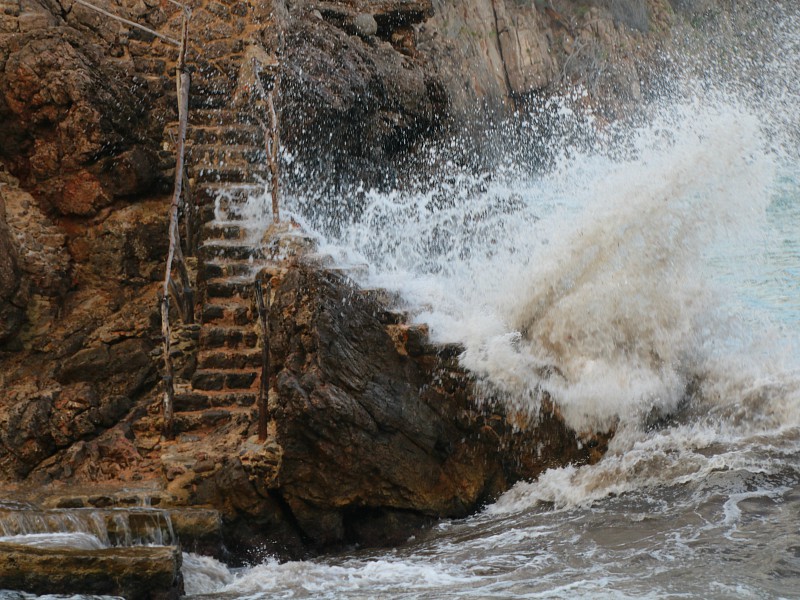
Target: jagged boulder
x,y
378,430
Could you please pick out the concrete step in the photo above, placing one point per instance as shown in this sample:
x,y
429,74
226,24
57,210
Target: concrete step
x,y
230,359
225,379
228,337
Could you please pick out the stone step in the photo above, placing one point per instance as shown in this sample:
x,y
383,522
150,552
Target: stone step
x,y
200,400
213,83
219,268
222,230
202,419
230,359
216,116
210,191
243,173
225,379
213,155
233,249
234,312
228,287
228,337
229,134
252,213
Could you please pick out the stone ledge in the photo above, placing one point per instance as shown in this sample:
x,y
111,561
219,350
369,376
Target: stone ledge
x,y
137,573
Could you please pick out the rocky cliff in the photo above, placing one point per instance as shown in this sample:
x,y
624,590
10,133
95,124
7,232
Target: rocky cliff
x,y
372,429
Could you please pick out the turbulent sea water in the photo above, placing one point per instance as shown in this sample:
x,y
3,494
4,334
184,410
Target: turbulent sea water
x,y
656,266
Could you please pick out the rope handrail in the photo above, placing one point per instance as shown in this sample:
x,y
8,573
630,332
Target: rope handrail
x,y
111,15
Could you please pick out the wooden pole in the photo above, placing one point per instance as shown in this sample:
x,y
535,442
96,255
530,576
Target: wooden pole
x,y
189,217
272,154
271,135
183,82
263,390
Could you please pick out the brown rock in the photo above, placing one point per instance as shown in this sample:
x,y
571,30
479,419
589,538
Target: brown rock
x,y
74,134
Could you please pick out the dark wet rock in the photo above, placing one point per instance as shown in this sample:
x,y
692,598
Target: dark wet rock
x,y
365,100
12,312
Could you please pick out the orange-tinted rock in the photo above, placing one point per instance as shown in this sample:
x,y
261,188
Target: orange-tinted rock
x,y
82,194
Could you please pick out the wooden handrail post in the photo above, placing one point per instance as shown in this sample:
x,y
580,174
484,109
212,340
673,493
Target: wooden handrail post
x,y
168,430
271,135
183,83
263,389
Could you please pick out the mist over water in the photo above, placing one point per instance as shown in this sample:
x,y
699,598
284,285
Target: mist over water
x,y
646,275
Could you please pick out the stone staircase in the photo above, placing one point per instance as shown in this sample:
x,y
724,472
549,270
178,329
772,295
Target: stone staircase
x,y
226,166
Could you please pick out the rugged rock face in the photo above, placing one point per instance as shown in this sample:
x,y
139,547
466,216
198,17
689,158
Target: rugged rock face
x,y
378,429
372,430
75,126
498,53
